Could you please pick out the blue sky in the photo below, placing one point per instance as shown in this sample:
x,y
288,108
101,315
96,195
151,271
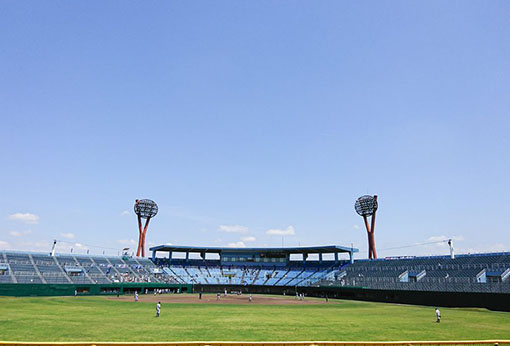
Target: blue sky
x,y
242,117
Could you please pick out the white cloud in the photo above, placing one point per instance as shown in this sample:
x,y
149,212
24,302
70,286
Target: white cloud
x,y
125,212
236,244
483,248
29,245
79,246
63,247
437,238
287,231
355,226
4,244
67,235
248,239
498,248
25,217
233,228
444,239
20,233
126,241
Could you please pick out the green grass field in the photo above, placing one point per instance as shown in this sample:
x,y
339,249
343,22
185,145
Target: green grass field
x,y
101,319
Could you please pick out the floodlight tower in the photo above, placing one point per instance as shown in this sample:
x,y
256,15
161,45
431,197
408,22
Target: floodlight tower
x,y
144,209
367,206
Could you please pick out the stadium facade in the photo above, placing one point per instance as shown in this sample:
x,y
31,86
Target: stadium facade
x,y
481,280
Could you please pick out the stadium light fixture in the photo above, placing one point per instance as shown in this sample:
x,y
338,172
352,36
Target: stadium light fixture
x,y
144,209
366,206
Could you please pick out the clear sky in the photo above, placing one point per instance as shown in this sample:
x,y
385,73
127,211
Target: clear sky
x,y
255,123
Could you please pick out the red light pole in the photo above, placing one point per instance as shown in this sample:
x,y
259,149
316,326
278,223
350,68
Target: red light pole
x,y
367,206
144,209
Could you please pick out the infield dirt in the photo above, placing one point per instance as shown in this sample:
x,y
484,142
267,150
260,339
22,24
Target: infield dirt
x,y
228,299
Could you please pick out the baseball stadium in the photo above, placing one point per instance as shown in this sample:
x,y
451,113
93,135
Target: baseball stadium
x,y
254,173
193,295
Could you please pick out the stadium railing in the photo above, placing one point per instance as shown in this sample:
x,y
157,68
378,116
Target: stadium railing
x,y
439,286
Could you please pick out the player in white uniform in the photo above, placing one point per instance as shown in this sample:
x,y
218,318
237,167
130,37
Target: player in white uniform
x,y
158,309
438,316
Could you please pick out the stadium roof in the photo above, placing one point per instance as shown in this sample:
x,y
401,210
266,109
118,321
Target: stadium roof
x,y
289,250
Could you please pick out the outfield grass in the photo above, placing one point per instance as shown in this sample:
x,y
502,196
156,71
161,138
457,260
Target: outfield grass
x,y
100,319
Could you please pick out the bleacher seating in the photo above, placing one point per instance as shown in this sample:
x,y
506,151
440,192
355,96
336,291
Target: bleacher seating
x,y
49,269
5,271
22,267
479,273
78,269
245,275
442,273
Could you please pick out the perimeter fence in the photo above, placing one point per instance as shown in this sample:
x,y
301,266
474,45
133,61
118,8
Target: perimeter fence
x,y
268,343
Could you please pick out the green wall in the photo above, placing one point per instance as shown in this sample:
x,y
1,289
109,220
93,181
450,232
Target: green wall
x,y
21,290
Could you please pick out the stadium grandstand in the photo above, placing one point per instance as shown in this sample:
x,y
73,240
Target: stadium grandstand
x,y
251,266
464,273
27,267
234,267
464,280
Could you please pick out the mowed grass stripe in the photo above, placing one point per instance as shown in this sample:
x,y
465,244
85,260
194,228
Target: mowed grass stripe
x,y
101,319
